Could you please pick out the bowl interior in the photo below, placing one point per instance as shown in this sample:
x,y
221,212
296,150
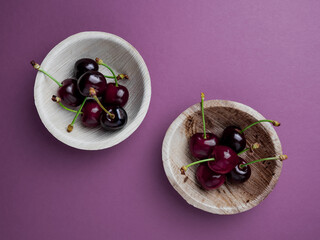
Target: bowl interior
x,y
122,58
229,198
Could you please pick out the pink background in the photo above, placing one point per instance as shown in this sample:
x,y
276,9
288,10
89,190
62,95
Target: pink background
x,y
265,54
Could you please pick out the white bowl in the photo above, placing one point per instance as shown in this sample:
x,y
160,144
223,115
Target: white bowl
x,y
122,57
229,198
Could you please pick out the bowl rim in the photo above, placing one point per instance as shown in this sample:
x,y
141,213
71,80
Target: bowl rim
x,y
172,175
145,98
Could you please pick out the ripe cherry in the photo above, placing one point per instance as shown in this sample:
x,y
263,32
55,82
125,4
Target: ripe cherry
x,y
242,171
209,179
116,123
68,91
84,65
234,138
115,94
90,116
225,159
201,144
92,79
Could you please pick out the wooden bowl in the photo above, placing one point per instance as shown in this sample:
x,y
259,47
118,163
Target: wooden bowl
x,y
229,198
119,55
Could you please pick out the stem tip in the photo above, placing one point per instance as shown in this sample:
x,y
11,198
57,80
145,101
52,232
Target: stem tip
x,y
202,96
254,146
35,65
276,123
283,157
55,98
70,128
122,76
99,61
92,92
183,170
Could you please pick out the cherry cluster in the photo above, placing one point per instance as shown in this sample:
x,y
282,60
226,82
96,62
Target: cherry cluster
x,y
219,158
99,103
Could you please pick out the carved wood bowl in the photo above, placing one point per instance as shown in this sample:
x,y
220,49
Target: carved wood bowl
x,y
229,198
122,57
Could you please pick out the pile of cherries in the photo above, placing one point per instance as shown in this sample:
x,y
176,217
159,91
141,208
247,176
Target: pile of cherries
x,y
219,158
101,103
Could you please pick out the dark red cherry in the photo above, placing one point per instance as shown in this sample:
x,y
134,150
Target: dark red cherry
x,y
225,159
233,138
119,121
84,65
91,112
116,96
209,179
239,174
92,79
202,148
69,93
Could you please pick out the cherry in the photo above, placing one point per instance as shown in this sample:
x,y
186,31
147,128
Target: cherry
x,y
115,94
242,171
84,65
68,91
90,116
209,179
225,157
92,79
116,123
234,138
201,144
239,174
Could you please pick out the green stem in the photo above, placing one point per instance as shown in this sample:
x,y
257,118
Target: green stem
x,y
265,120
259,160
41,70
70,127
68,109
114,76
109,76
203,119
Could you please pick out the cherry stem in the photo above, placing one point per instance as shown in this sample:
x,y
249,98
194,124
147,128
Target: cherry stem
x,y
274,123
185,168
108,76
58,100
94,95
203,119
70,127
100,62
37,67
281,157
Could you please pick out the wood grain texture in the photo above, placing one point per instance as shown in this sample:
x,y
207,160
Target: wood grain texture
x,y
122,58
229,198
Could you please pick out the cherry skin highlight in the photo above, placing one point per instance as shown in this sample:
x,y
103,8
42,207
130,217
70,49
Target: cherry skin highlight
x,y
91,112
202,148
116,95
233,138
225,159
239,174
69,93
92,79
209,179
119,121
84,65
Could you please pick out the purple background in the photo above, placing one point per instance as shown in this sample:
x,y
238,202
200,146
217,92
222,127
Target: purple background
x,y
265,54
